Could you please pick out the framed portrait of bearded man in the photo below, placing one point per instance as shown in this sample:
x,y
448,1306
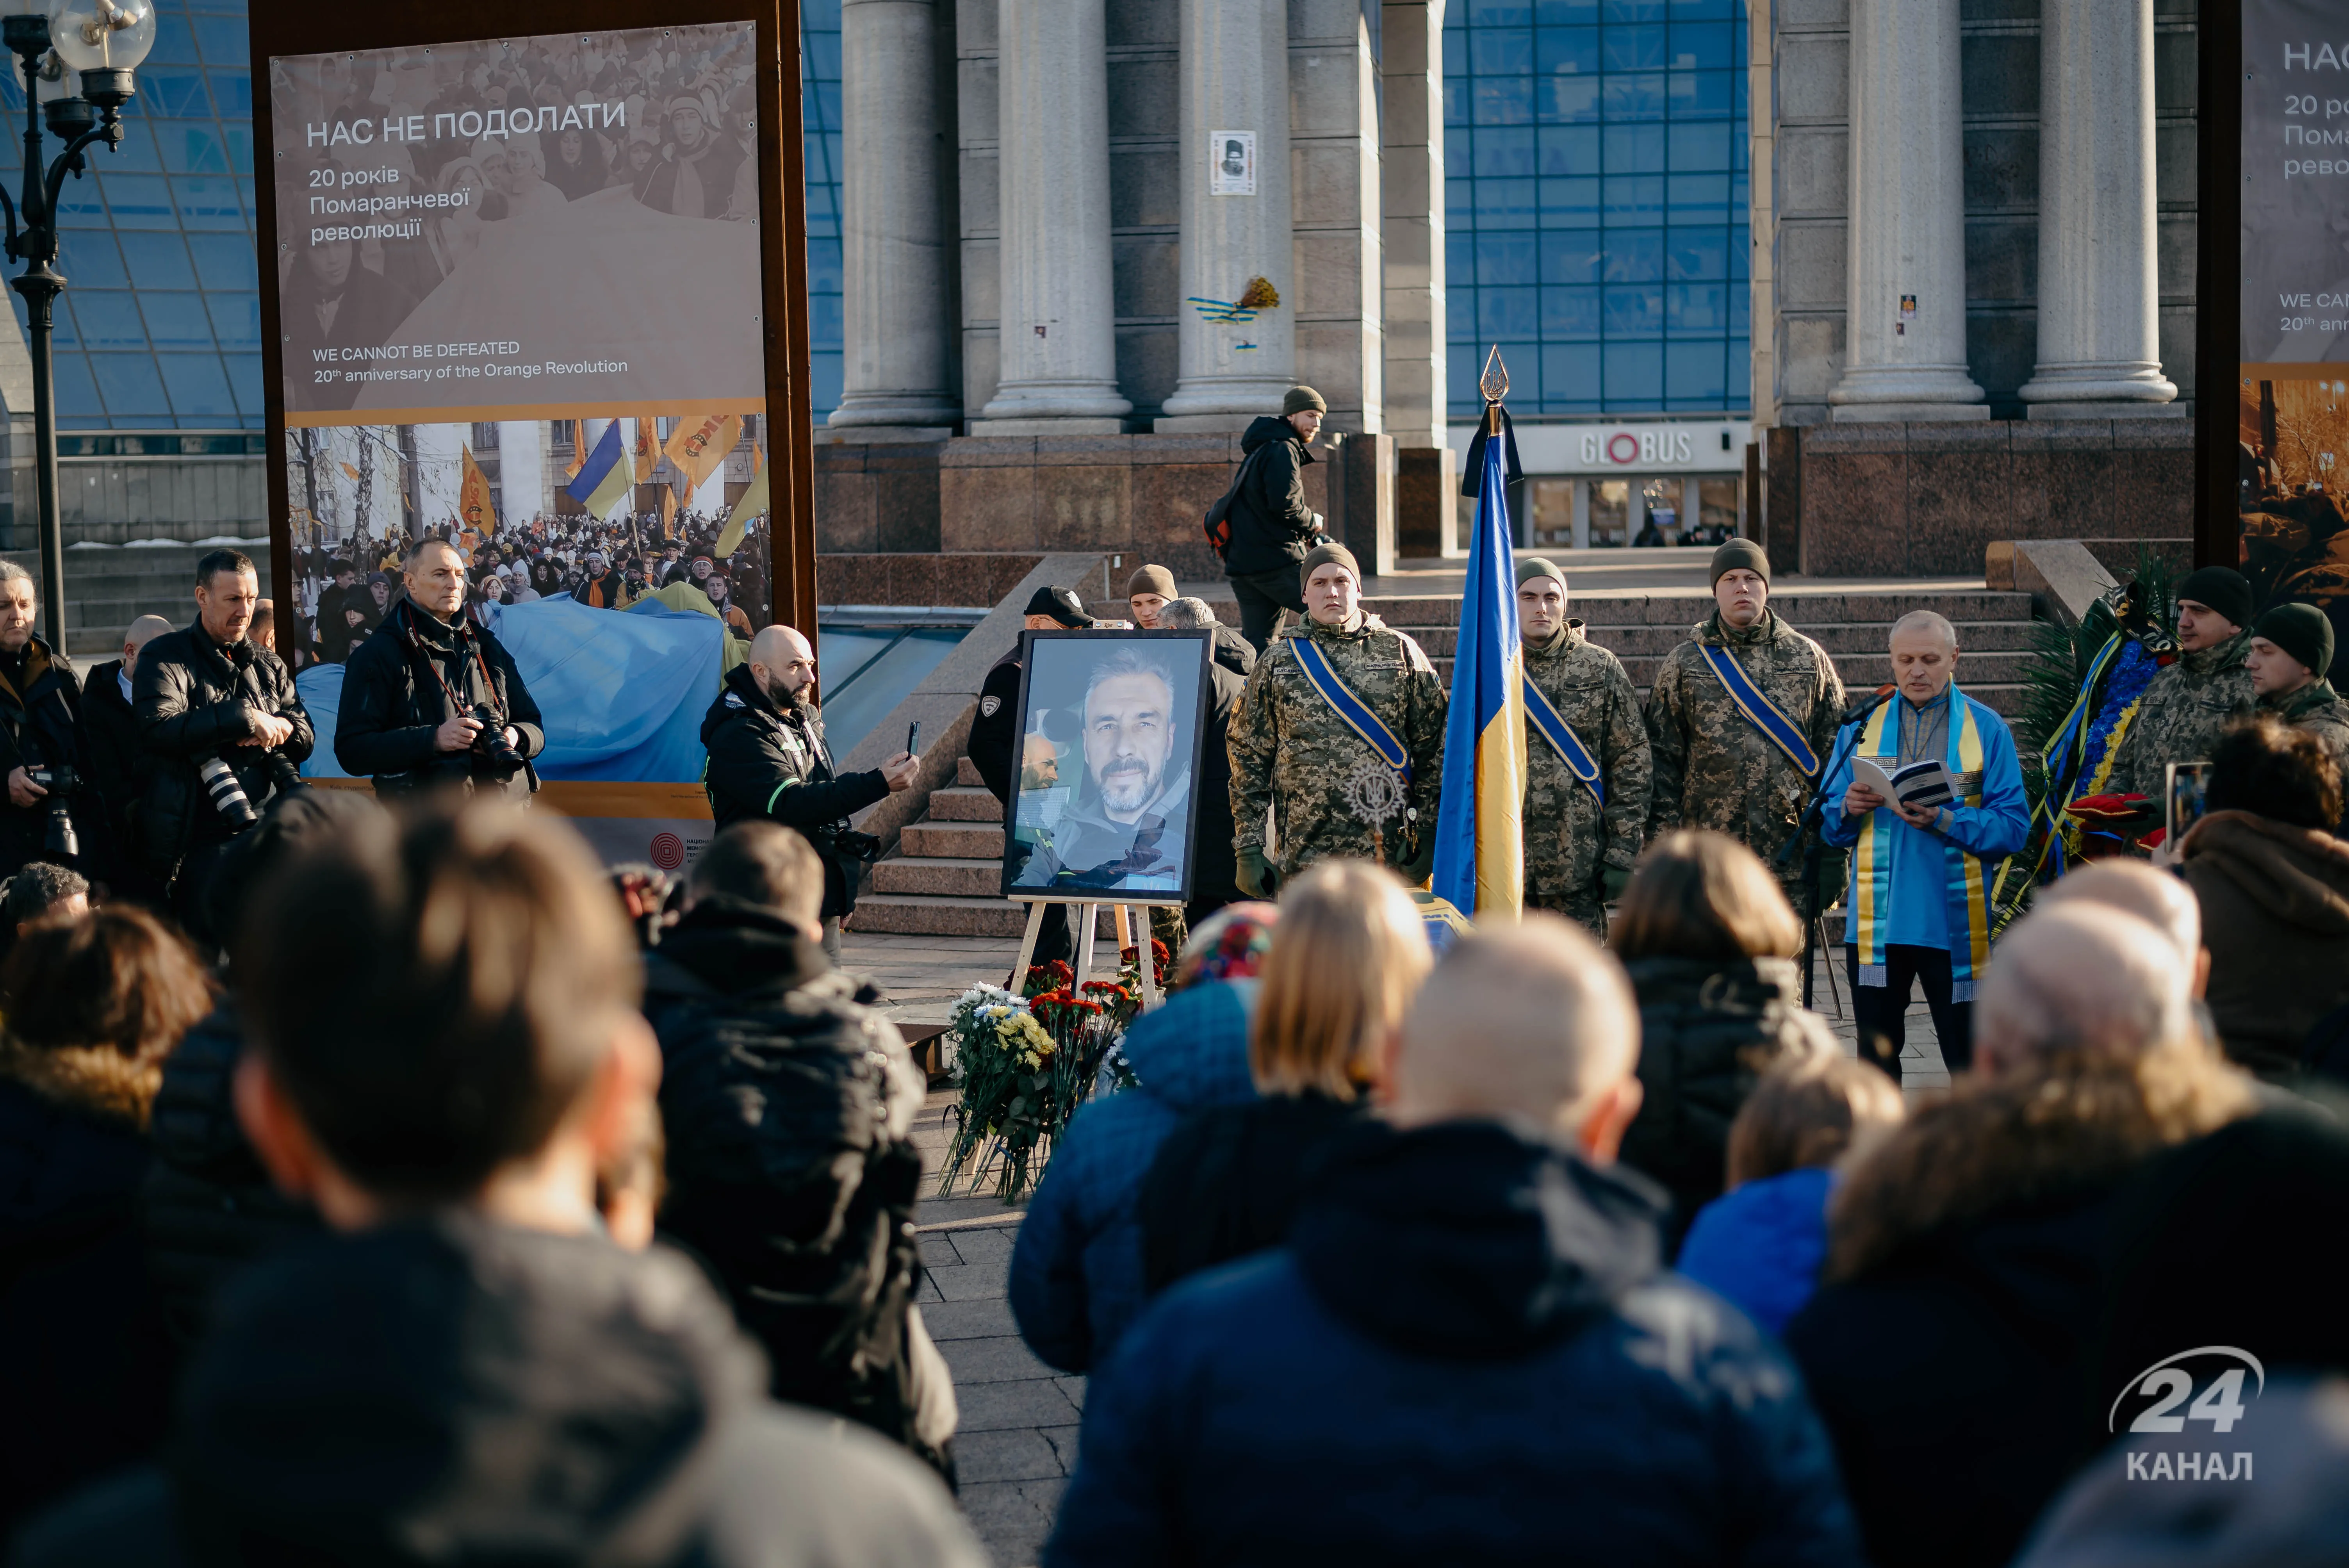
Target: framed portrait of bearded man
x,y
1105,808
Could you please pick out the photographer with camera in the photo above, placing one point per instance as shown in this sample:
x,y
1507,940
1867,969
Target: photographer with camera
x,y
768,760
223,728
50,804
432,698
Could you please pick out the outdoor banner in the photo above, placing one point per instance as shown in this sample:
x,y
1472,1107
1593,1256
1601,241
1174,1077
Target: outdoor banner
x,y
2293,403
520,298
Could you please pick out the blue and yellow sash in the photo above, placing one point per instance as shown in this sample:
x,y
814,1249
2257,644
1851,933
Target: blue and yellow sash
x,y
1349,707
1759,710
1871,858
1563,741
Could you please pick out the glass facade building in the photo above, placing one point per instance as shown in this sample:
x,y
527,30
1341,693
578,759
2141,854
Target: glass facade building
x,y
1596,205
160,328
820,123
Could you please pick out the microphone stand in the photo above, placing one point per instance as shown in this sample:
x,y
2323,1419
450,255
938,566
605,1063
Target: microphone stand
x,y
1806,837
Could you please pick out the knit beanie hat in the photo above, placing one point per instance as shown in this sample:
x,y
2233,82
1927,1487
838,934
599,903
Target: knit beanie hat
x,y
1300,398
2222,588
2300,630
1229,944
1739,552
1531,566
1321,555
1152,580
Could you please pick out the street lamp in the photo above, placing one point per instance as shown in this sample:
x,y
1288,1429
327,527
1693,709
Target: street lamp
x,y
103,40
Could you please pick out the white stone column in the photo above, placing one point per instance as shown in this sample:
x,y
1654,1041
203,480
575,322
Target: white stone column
x,y
2099,331
1905,327
1411,183
893,251
1234,81
1059,373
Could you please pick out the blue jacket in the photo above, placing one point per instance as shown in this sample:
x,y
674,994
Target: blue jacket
x,y
1931,888
1760,1246
1076,1273
1468,1353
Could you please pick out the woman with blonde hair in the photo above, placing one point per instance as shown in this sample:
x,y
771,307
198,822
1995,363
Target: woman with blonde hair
x,y
1709,943
1347,958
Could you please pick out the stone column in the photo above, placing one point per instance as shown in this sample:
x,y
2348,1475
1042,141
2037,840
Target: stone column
x,y
1058,324
1905,327
893,251
2099,335
1411,199
1234,81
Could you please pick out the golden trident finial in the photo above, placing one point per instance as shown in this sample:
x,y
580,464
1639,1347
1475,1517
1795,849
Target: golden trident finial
x,y
1495,384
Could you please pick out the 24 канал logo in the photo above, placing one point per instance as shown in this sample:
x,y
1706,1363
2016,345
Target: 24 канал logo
x,y
2205,1385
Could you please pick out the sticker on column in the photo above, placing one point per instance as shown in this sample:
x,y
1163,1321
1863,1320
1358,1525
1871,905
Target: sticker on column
x,y
1231,163
1907,314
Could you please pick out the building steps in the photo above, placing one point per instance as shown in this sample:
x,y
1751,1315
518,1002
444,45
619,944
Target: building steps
x,y
946,875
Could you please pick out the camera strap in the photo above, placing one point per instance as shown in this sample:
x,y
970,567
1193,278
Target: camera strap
x,y
457,703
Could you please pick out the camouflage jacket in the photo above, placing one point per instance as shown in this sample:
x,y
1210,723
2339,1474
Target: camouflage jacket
x,y
2319,710
2180,715
1568,835
1330,793
1713,768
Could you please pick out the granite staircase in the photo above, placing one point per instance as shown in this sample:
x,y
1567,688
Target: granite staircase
x,y
945,876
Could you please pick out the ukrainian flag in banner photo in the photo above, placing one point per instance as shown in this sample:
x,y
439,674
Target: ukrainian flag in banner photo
x,y
1480,840
606,477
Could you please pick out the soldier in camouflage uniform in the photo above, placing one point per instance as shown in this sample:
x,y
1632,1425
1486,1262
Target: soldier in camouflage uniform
x,y
1713,768
2291,650
2183,710
1329,792
1579,854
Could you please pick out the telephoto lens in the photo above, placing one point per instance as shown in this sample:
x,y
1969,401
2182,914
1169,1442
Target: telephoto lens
x,y
60,783
284,775
228,796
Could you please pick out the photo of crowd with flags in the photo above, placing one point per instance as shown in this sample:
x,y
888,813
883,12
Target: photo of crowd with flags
x,y
642,510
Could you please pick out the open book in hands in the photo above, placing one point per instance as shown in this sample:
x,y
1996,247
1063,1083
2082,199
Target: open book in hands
x,y
1925,784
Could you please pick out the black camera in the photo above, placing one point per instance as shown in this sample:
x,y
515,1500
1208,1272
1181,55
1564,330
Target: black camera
x,y
490,745
60,782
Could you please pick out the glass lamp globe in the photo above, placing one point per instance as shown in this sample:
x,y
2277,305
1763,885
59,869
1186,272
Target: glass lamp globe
x,y
102,35
51,81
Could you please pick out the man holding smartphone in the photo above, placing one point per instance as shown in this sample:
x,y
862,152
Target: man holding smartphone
x,y
768,760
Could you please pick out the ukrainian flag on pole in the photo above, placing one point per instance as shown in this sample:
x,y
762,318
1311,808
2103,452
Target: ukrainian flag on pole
x,y
1480,840
606,477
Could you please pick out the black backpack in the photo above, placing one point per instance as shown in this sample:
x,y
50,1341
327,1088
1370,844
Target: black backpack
x,y
1219,516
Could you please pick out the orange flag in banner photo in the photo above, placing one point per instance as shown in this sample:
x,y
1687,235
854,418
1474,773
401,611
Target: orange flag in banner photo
x,y
473,498
669,512
649,448
699,445
579,447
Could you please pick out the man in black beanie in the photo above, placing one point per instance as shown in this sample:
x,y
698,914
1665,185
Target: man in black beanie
x,y
1742,761
1272,527
2191,701
2290,650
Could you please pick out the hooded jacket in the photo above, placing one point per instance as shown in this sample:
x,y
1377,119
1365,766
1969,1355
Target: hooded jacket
x,y
1076,1271
1466,1353
2275,916
87,1387
1272,526
449,1389
1708,1031
773,763
788,1107
1949,1351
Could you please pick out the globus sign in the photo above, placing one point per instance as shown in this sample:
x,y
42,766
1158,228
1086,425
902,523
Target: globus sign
x,y
1637,448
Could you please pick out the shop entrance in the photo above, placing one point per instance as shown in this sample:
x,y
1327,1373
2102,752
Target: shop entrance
x,y
1631,511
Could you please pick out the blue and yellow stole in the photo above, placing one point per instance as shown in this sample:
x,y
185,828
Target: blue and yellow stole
x,y
1871,858
1760,712
1323,677
1552,726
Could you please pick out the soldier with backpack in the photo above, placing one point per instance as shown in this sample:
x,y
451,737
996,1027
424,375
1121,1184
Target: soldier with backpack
x,y
1261,527
788,1104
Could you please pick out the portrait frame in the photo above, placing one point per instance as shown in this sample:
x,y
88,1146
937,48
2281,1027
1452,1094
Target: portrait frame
x,y
1053,666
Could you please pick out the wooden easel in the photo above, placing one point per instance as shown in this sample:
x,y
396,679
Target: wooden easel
x,y
1084,964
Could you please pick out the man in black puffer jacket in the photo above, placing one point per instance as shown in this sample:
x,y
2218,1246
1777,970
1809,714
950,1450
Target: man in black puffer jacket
x,y
1272,527
768,760
208,694
415,692
788,1107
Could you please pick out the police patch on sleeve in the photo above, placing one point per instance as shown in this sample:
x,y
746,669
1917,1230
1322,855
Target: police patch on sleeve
x,y
988,705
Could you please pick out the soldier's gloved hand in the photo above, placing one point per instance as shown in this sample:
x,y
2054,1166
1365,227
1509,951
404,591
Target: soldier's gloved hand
x,y
1257,877
1417,870
1613,880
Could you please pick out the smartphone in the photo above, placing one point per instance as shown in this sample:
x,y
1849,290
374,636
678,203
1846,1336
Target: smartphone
x,y
2182,798
914,738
